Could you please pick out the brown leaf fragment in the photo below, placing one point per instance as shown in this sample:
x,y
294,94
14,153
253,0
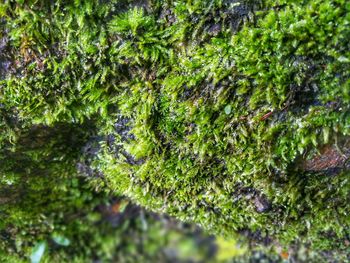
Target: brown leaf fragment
x,y
329,157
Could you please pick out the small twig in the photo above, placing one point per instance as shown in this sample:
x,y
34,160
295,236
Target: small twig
x,y
270,113
266,116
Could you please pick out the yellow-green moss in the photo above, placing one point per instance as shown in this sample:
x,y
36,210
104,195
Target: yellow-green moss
x,y
222,101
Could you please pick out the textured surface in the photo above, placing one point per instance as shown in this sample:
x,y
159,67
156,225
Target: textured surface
x,y
233,115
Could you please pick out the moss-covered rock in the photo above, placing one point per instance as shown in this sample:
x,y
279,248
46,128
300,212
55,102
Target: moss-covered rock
x,y
230,114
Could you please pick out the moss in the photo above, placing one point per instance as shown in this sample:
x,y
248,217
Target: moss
x,y
219,98
46,203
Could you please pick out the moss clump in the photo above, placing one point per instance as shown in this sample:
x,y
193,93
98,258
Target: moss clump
x,y
48,201
208,109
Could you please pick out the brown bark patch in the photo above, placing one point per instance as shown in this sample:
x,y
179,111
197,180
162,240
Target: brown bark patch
x,y
330,157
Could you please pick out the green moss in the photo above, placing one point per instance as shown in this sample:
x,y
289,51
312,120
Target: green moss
x,y
223,100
